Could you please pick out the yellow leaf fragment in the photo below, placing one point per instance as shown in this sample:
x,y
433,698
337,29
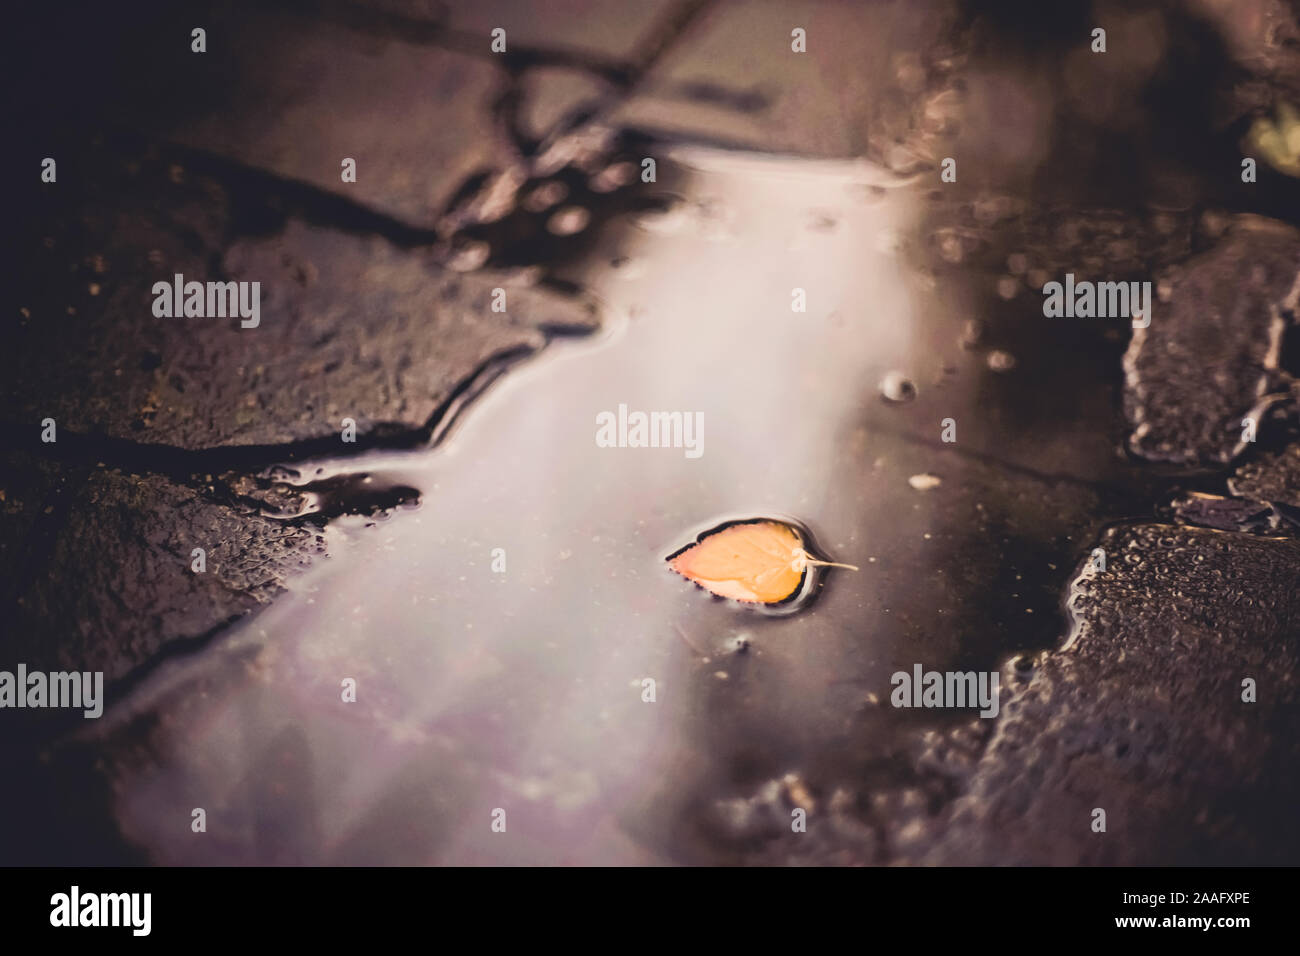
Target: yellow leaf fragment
x,y
758,562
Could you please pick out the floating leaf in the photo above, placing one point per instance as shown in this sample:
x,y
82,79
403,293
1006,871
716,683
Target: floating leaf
x,y
759,562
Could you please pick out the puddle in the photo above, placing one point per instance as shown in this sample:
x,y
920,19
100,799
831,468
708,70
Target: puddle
x,y
501,631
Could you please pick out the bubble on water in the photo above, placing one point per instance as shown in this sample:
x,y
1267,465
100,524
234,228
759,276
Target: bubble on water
x,y
739,644
569,221
897,387
1000,361
1008,287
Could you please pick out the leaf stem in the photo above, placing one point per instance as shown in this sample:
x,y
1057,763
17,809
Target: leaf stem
x,y
803,559
833,564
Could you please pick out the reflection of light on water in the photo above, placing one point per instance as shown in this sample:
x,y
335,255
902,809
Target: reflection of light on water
x,y
479,690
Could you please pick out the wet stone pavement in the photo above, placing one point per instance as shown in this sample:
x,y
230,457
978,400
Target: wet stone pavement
x,y
521,688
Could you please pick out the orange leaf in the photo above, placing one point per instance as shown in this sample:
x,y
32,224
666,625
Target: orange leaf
x,y
762,562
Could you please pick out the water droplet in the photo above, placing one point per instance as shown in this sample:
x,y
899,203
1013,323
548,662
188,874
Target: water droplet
x,y
1000,361
897,387
925,483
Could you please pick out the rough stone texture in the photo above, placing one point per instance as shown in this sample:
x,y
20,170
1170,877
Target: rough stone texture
x,y
1139,713
149,409
1261,36
878,78
1227,514
1023,244
1142,716
358,327
1224,317
361,317
1274,477
97,564
418,119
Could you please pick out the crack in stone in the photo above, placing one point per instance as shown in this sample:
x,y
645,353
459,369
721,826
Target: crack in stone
x,y
183,465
